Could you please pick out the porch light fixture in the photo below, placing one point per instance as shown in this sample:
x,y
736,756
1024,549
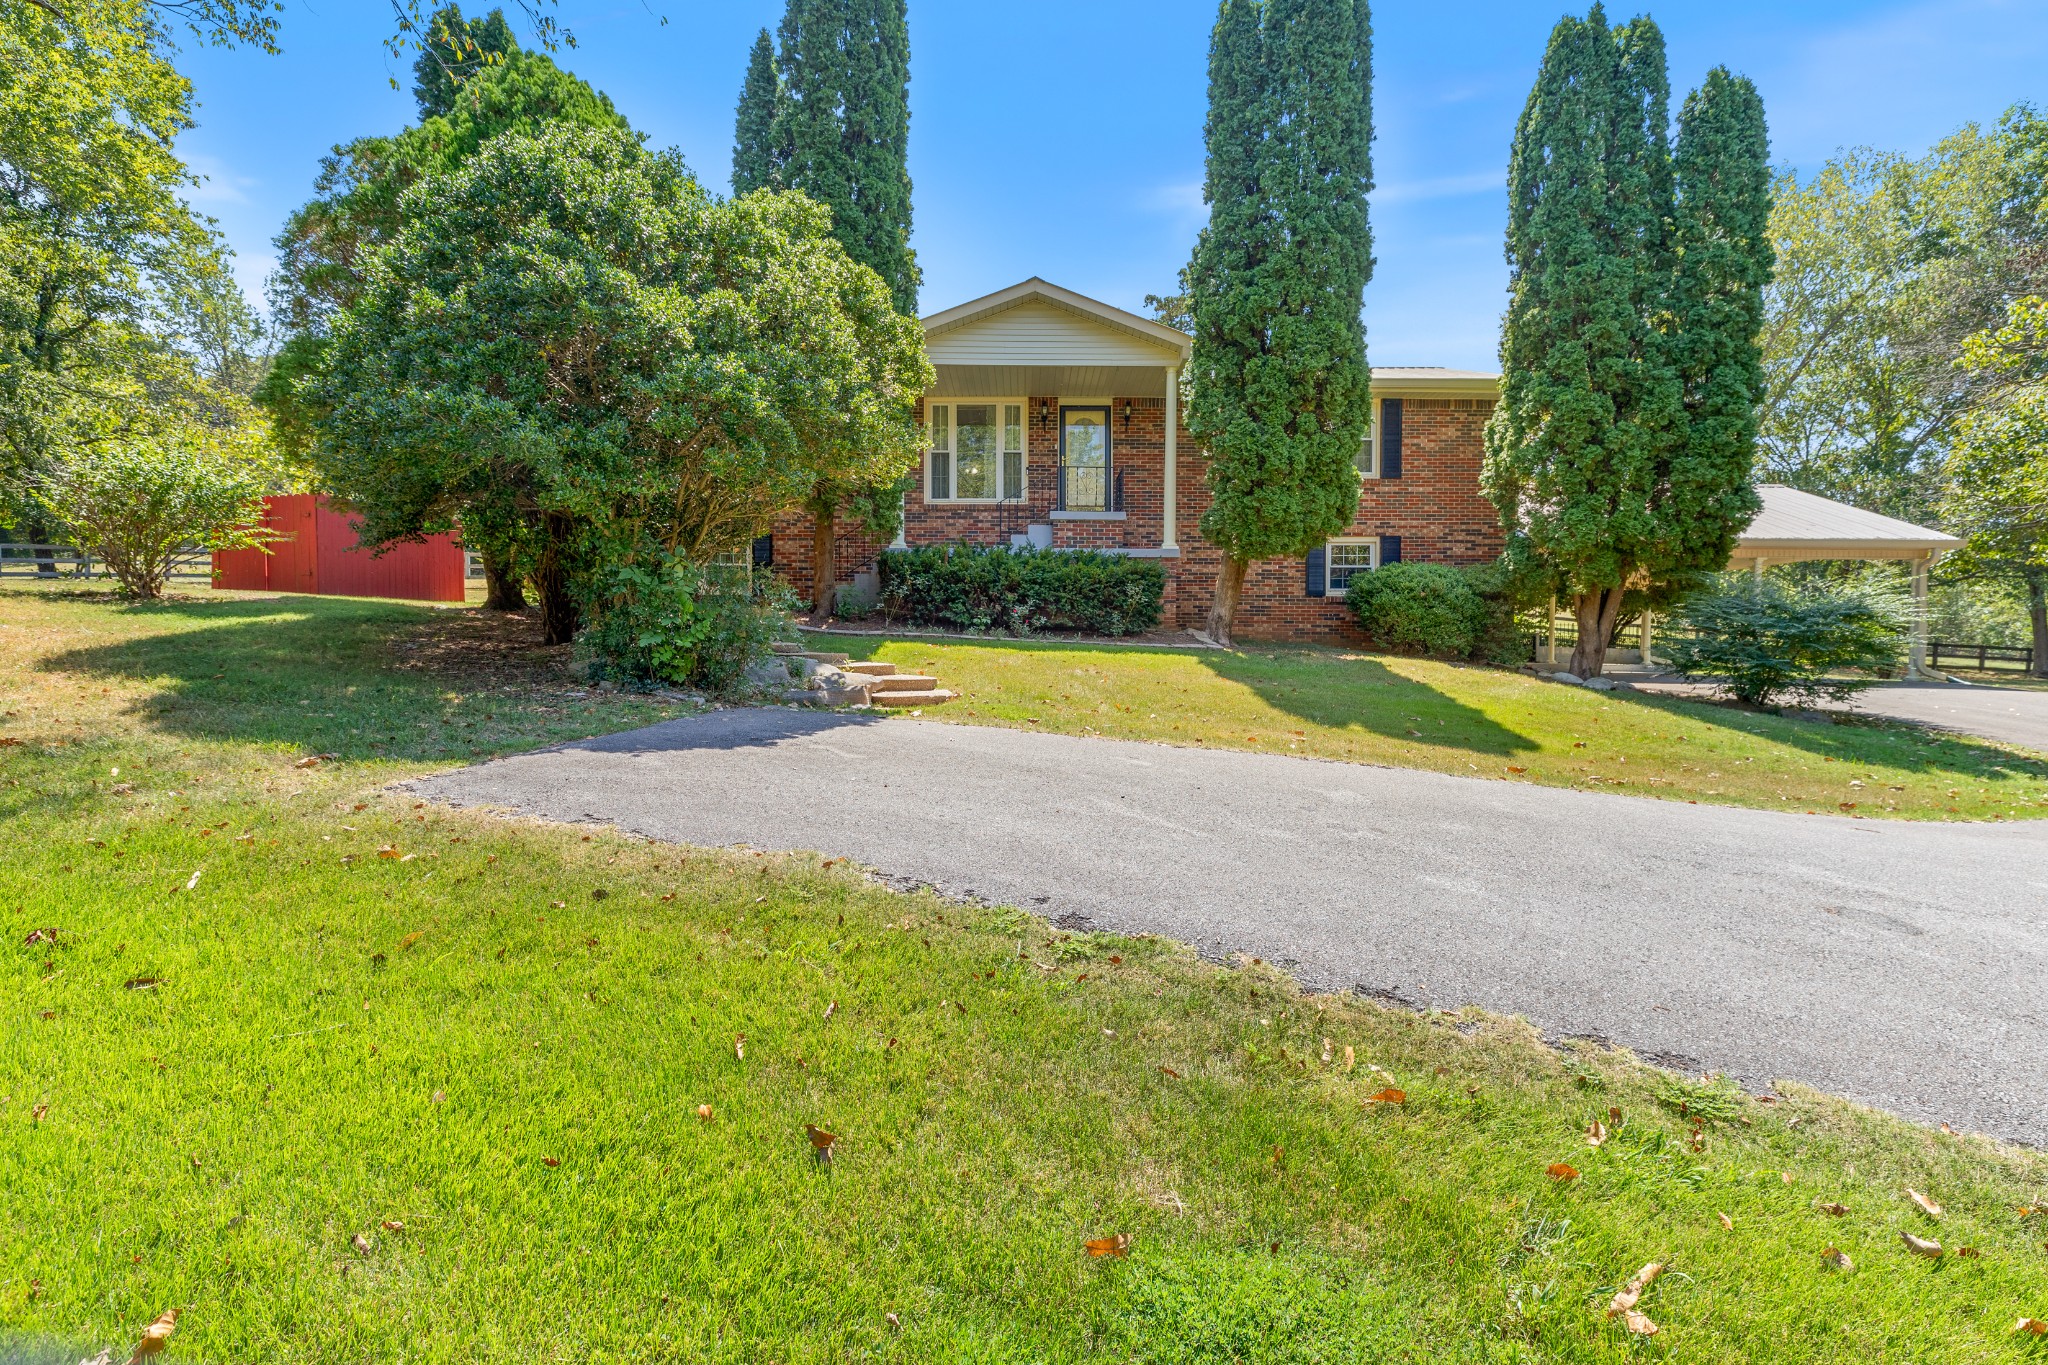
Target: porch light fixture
x,y
1127,412
1044,409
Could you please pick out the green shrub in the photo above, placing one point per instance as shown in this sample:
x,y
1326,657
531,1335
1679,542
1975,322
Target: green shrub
x,y
1420,608
137,506
1764,641
659,618
970,588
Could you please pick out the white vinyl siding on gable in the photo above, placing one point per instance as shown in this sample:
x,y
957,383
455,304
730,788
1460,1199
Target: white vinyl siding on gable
x,y
1038,333
976,451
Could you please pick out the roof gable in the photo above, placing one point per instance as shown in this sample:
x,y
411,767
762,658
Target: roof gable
x,y
1036,323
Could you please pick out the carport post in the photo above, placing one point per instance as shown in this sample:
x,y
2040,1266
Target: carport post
x,y
1916,655
1649,621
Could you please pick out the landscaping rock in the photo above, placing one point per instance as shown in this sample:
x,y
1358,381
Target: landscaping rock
x,y
768,673
1599,684
1574,679
801,666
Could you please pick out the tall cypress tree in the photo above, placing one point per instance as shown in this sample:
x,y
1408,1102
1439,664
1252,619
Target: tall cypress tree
x,y
453,50
756,157
1591,456
1276,285
1722,233
840,133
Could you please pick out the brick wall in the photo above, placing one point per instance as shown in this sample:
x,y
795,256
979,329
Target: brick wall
x,y
1436,508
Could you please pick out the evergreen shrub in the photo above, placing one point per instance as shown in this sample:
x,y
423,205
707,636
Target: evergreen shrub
x,y
996,588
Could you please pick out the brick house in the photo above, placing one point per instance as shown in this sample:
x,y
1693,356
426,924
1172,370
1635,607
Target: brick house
x,y
1055,423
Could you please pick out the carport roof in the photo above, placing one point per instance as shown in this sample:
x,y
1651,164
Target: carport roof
x,y
1798,525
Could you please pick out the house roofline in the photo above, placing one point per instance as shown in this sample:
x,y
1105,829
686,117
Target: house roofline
x,y
1108,315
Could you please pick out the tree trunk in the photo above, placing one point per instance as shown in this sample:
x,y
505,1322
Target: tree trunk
x,y
2037,614
502,589
1597,614
560,616
824,561
1229,589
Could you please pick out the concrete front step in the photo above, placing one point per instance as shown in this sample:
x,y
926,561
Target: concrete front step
x,y
924,697
872,670
902,682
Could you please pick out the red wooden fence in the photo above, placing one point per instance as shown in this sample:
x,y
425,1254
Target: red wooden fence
x,y
319,554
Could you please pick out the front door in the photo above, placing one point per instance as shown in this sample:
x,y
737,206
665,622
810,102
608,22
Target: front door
x,y
1084,459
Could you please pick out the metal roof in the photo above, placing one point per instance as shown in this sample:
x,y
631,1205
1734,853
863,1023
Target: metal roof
x,y
1798,525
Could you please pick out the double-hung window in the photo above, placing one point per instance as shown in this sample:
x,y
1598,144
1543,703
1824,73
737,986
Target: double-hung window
x,y
1343,558
977,451
1368,460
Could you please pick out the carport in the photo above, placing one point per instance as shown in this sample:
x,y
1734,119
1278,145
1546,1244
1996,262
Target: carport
x,y
1796,527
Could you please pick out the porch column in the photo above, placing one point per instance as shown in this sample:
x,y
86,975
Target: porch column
x,y
1649,622
1169,515
902,523
1757,569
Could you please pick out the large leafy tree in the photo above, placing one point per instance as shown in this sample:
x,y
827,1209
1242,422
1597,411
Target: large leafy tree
x,y
829,115
1997,470
357,206
1620,453
1886,266
1281,392
569,335
110,287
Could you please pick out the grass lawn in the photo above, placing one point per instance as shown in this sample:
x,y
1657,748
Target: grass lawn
x,y
1453,718
341,1077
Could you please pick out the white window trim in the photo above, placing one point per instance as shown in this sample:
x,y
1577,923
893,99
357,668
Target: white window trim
x,y
1372,441
1330,589
952,406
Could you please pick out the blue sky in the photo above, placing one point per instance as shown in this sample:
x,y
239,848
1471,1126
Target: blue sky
x,y
1062,138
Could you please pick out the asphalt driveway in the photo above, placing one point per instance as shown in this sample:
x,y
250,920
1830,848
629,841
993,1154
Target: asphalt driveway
x,y
2011,715
1899,964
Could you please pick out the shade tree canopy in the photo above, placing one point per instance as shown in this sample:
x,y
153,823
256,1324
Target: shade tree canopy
x,y
568,335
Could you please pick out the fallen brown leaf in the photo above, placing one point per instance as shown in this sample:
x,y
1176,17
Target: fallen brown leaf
x,y
704,1113
392,1225
35,1115
361,1244
1727,1222
1390,1095
550,1162
1920,1246
739,1046
312,762
1626,1299
1927,1206
1838,1258
142,983
1970,1252
2033,1326
1835,1210
155,1335
1169,1071
1596,1133
438,1097
1639,1323
1562,1173
387,851
1119,1245
405,944
1350,1059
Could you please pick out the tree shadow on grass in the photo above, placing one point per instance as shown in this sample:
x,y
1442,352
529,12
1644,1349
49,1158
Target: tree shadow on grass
x,y
351,678
1318,687
1855,739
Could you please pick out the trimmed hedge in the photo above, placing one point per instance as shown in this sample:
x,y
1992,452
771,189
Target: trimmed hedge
x,y
995,588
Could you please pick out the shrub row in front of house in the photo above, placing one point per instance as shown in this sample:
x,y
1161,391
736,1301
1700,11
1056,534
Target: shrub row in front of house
x,y
973,588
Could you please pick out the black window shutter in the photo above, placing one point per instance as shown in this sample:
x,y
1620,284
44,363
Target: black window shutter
x,y
1390,438
764,551
1390,549
1316,579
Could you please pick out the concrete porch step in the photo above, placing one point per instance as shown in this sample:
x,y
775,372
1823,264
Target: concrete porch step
x,y
933,696
870,669
902,682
